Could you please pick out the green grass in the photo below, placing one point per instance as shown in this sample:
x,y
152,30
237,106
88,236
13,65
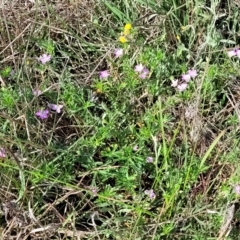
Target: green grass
x,y
83,173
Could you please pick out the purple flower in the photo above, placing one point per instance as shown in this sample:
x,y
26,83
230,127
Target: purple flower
x,y
174,83
139,68
42,114
149,159
44,58
37,92
142,70
231,53
237,189
2,153
186,77
192,73
238,53
104,74
118,52
144,73
181,87
135,148
55,107
150,193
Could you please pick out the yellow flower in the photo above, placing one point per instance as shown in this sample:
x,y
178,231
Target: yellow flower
x,y
183,28
122,39
127,26
178,38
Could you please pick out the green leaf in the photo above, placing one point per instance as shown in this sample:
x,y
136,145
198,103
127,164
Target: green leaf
x,y
115,11
211,148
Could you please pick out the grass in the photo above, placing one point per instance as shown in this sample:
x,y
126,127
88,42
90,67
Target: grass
x,y
128,156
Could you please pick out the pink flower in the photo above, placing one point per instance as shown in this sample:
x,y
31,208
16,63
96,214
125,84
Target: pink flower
x,y
55,107
104,74
181,87
149,159
2,153
231,53
144,73
174,83
192,73
94,191
139,68
186,77
44,58
42,114
37,92
150,193
118,52
237,189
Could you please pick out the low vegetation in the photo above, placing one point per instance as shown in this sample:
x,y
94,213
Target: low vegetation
x,y
119,119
